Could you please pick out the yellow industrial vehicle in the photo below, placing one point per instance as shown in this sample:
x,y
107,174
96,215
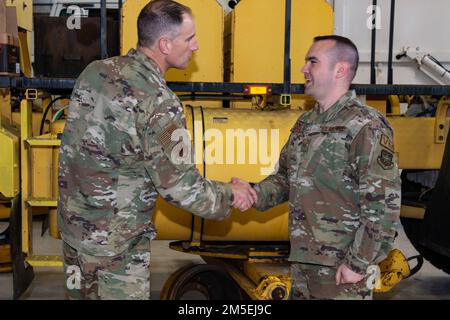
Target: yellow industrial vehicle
x,y
255,95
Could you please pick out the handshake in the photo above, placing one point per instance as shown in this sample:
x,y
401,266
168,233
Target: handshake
x,y
244,196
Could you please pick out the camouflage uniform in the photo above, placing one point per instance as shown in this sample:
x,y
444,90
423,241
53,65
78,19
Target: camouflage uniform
x,y
339,172
116,156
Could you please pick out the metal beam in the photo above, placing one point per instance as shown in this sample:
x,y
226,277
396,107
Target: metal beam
x,y
64,84
103,30
391,43
373,70
287,49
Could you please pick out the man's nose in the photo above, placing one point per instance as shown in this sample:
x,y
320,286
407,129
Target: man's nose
x,y
304,69
195,46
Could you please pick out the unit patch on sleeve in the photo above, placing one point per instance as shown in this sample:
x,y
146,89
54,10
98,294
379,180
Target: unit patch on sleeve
x,y
385,159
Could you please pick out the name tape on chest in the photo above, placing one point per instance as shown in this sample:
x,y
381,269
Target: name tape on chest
x,y
310,130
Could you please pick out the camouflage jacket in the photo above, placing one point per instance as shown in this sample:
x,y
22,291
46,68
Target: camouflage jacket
x,y
117,155
339,172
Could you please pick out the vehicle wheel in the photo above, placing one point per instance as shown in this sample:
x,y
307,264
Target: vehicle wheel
x,y
412,229
200,282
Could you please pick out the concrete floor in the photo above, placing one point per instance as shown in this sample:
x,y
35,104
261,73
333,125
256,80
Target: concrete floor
x,y
429,283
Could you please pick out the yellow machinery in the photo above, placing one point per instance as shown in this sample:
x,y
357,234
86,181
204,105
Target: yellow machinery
x,y
251,247
254,41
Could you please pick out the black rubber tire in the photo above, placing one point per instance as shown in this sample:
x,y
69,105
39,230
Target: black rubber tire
x,y
412,228
204,281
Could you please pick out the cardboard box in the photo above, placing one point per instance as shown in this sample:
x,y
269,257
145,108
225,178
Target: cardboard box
x,y
8,19
9,41
2,16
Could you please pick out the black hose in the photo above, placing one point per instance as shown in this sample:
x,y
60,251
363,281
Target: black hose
x,y
41,129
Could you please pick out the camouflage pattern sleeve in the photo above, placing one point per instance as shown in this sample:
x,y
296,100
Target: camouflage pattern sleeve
x,y
376,166
170,164
274,189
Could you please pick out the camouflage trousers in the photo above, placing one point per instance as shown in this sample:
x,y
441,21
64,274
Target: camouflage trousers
x,y
122,277
311,281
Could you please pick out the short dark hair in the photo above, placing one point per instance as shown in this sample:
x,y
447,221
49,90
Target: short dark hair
x,y
157,18
343,50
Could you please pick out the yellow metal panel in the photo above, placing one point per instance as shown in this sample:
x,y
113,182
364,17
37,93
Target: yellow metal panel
x,y
25,63
41,172
24,10
42,202
45,261
25,133
51,141
128,34
173,223
414,142
9,163
252,225
257,48
258,43
258,37
309,19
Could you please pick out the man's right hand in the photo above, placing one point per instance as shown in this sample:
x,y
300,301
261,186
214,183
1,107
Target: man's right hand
x,y
244,195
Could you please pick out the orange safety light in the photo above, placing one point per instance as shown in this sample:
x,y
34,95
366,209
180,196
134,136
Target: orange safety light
x,y
257,89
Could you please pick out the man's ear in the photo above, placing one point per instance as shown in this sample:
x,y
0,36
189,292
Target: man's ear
x,y
165,45
342,69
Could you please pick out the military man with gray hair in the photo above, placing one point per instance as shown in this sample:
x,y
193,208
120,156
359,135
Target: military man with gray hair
x,y
339,173
118,153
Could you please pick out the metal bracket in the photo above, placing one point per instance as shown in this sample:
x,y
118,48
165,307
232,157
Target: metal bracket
x,y
31,94
441,115
285,99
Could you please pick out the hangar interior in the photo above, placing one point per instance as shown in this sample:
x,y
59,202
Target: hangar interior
x,y
245,75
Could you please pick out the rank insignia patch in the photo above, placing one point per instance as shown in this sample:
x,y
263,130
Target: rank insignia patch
x,y
386,142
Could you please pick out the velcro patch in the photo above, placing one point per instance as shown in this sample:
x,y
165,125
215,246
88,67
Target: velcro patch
x,y
386,142
385,159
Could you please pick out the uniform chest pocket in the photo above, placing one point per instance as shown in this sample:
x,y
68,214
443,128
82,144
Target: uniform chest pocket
x,y
131,151
294,159
326,154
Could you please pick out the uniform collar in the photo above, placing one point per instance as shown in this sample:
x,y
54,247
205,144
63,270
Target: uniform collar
x,y
145,61
333,111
